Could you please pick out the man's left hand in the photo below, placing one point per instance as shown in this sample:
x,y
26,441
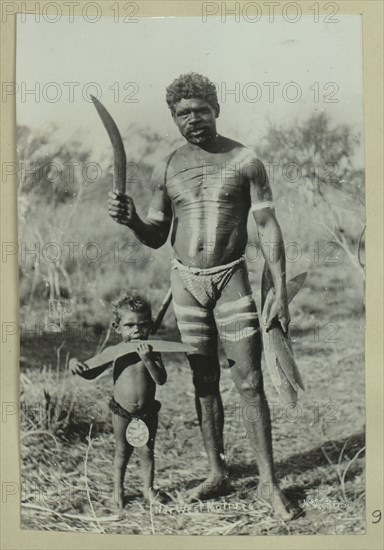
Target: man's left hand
x,y
279,310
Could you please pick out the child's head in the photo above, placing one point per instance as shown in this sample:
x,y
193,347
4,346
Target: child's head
x,y
133,317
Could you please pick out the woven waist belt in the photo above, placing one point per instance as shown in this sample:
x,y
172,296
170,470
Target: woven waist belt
x,y
206,271
116,408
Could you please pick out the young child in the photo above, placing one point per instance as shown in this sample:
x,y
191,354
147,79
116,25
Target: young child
x,y
134,408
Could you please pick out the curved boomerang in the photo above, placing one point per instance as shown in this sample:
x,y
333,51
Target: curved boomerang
x,y
101,362
119,181
120,159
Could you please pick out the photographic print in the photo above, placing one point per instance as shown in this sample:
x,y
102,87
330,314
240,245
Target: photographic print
x,y
191,260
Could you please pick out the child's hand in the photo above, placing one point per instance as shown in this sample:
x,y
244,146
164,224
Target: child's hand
x,y
76,366
152,362
144,350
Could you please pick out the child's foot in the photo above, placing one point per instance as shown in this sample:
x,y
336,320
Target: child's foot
x,y
117,505
117,500
155,495
210,488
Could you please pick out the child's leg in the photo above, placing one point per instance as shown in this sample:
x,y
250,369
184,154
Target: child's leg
x,y
123,452
147,458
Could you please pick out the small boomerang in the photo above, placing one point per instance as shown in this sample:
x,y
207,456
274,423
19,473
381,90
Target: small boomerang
x,y
277,346
100,362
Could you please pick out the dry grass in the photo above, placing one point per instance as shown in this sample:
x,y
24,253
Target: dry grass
x,y
67,441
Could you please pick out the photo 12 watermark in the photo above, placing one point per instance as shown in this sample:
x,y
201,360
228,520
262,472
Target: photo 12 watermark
x,y
254,12
71,11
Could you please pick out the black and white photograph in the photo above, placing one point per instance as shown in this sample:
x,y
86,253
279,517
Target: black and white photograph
x,y
191,261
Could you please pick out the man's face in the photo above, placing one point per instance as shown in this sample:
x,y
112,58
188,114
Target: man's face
x,y
196,120
133,325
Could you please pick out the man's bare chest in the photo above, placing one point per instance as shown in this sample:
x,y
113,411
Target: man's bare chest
x,y
206,182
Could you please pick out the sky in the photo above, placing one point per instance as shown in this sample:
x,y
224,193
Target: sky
x,y
277,71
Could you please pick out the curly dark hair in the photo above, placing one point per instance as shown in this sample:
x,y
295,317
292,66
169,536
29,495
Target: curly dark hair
x,y
191,85
132,301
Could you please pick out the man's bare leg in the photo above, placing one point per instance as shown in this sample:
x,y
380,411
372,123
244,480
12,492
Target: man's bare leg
x,y
206,377
209,407
123,452
248,378
244,354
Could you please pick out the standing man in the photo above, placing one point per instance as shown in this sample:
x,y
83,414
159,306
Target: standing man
x,y
207,187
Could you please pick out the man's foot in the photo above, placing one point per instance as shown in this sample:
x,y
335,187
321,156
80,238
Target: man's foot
x,y
210,488
280,504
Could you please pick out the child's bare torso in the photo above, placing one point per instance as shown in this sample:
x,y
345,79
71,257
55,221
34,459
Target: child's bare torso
x,y
134,388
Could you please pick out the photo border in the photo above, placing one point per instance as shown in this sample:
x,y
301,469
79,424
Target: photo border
x,y
12,537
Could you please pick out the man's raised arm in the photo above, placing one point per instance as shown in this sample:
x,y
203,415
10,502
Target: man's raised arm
x,y
270,238
154,230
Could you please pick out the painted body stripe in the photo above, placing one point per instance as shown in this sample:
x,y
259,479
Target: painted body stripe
x,y
190,339
239,334
260,205
190,310
186,326
235,304
238,317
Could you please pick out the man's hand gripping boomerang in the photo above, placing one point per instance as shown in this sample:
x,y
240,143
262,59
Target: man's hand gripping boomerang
x,y
126,214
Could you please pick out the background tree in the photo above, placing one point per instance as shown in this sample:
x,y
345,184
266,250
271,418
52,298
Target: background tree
x,y
314,164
